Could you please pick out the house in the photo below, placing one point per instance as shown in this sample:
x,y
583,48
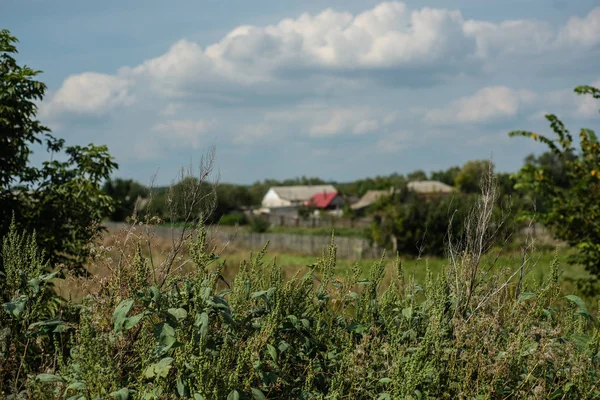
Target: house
x,y
327,201
284,199
430,188
369,199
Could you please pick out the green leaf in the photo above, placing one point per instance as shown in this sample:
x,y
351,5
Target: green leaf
x,y
525,296
165,335
132,321
272,352
121,394
385,380
181,389
120,314
178,313
233,395
49,378
159,369
198,396
16,307
77,386
257,394
407,312
582,308
202,323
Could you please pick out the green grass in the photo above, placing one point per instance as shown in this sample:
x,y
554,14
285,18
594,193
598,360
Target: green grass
x,y
538,267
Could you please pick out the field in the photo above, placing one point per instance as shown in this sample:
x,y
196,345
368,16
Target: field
x,y
538,262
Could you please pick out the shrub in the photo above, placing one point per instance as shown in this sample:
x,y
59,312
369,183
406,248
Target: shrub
x,y
259,225
571,193
234,219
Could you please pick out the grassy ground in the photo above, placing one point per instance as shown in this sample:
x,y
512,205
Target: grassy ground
x,y
113,244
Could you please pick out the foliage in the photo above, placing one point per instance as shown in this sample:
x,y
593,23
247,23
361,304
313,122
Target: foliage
x,y
470,175
570,190
234,219
61,200
126,193
414,225
306,211
316,336
28,324
259,224
446,176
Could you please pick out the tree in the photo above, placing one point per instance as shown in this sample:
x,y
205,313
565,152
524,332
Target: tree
x,y
446,176
470,175
573,210
61,200
418,175
125,193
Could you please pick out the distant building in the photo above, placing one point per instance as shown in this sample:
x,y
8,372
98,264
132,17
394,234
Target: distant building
x,y
369,199
286,199
430,188
331,202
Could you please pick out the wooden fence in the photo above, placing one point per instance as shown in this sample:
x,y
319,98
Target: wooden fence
x,y
347,247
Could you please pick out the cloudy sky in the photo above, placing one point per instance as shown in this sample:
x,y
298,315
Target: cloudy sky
x,y
335,89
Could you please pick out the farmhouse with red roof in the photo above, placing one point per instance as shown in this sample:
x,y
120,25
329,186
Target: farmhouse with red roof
x,y
326,201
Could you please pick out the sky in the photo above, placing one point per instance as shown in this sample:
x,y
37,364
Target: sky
x,y
340,90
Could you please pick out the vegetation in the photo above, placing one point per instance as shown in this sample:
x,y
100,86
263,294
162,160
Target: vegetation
x,y
473,331
61,200
569,189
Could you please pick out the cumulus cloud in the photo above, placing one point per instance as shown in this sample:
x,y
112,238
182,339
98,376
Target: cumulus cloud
x,y
389,42
582,31
486,104
90,93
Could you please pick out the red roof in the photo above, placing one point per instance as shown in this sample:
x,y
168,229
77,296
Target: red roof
x,y
322,200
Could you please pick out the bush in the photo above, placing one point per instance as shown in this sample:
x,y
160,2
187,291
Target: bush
x,y
570,192
234,219
259,225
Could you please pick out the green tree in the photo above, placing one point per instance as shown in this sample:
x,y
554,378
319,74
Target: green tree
x,y
418,175
60,200
470,175
572,209
125,193
446,176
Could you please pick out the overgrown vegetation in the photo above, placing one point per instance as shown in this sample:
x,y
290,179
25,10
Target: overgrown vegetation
x,y
571,188
477,330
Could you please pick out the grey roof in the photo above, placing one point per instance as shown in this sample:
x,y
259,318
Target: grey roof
x,y
426,187
369,198
301,193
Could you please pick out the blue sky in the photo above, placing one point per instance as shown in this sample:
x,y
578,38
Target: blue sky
x,y
335,89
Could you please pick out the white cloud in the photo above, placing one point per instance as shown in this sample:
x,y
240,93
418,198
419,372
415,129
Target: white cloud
x,y
486,104
89,93
327,53
395,142
171,109
252,133
582,31
320,121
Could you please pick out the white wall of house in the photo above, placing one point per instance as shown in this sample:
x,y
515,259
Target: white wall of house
x,y
272,200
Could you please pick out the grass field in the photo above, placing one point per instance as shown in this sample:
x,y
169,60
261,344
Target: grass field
x,y
113,243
